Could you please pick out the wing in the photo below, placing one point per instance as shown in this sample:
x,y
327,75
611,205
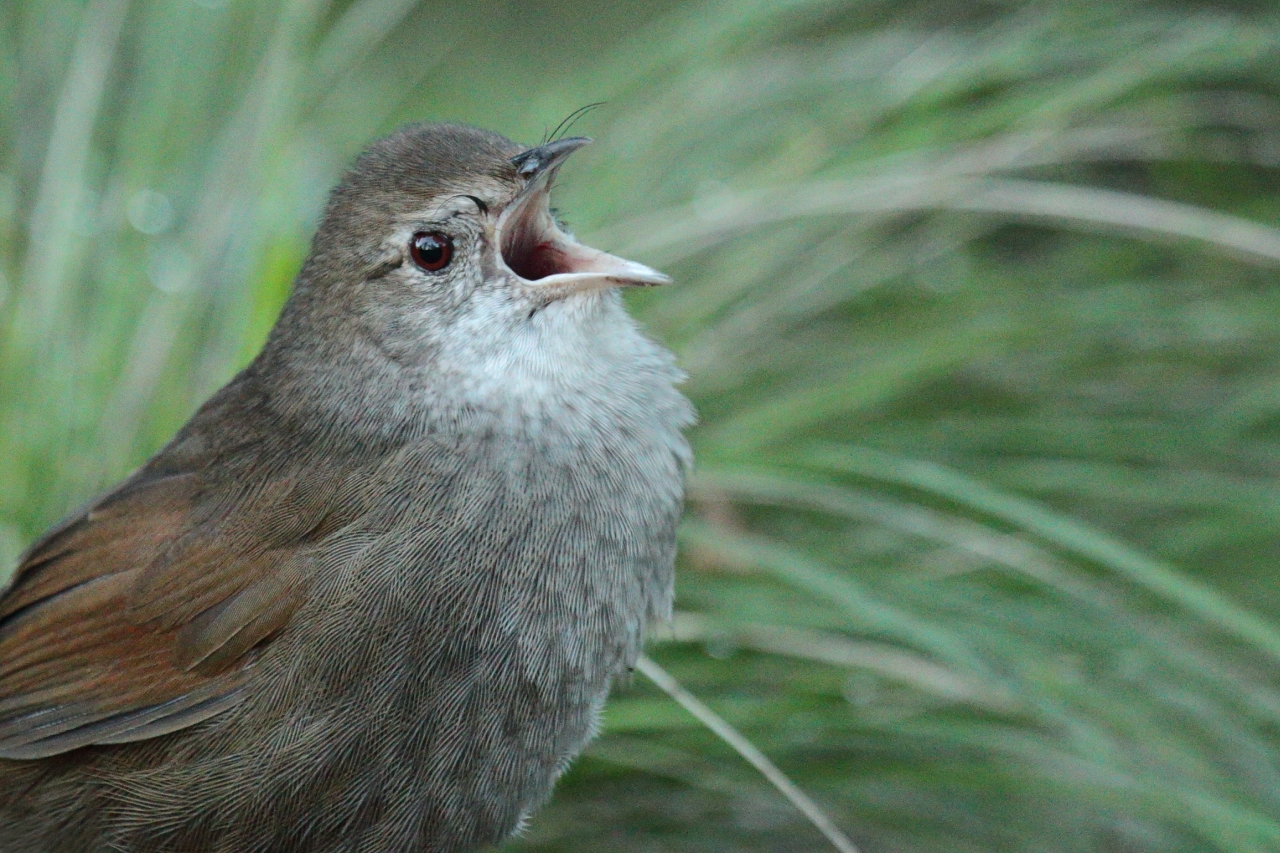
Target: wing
x,y
140,616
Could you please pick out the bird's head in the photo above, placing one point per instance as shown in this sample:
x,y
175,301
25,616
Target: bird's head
x,y
439,252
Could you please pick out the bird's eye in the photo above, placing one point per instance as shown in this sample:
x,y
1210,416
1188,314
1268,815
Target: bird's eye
x,y
431,250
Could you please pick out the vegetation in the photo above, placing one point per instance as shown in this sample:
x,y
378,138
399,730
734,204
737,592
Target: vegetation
x,y
979,304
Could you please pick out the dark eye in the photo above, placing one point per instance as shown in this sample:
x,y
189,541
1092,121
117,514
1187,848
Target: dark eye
x,y
431,250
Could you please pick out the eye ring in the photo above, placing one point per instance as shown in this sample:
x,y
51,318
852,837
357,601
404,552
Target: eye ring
x,y
431,250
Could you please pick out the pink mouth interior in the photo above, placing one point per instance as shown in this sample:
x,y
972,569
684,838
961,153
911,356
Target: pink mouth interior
x,y
532,248
535,249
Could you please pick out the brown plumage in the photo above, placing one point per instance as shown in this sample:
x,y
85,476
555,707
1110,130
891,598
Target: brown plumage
x,y
372,596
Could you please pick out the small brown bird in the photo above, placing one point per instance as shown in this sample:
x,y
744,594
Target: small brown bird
x,y
373,595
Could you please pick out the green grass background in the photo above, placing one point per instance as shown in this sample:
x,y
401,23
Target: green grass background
x,y
980,303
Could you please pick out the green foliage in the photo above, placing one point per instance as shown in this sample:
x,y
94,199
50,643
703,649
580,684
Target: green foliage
x,y
979,305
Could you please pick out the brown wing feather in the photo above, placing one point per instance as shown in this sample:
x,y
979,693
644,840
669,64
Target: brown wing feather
x,y
138,617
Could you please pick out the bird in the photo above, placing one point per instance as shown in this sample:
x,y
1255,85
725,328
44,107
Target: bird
x,y
372,596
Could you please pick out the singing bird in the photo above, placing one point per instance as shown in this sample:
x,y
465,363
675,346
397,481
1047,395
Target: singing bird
x,y
373,595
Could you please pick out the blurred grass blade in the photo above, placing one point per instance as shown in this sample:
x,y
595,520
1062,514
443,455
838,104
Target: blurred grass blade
x,y
789,411
800,490
1073,535
678,233
363,26
748,751
887,660
62,201
1129,211
804,572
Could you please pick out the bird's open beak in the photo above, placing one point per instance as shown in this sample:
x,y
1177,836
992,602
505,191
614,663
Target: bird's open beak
x,y
539,253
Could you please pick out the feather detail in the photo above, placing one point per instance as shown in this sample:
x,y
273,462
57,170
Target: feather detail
x,y
140,615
